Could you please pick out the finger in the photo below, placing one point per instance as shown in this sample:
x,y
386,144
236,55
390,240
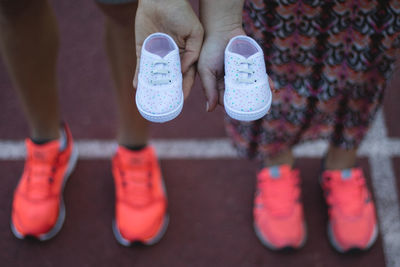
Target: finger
x,y
135,78
192,49
209,82
188,81
273,89
272,85
221,91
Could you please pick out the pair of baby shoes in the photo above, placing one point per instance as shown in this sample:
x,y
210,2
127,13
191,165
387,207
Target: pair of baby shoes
x,y
159,95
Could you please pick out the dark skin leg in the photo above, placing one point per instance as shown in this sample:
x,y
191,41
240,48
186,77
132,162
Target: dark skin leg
x,y
336,158
339,158
29,45
285,157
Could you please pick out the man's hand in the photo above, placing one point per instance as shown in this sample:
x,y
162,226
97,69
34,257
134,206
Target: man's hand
x,y
177,19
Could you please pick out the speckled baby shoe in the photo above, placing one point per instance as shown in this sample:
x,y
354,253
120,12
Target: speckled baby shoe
x,y
247,94
159,95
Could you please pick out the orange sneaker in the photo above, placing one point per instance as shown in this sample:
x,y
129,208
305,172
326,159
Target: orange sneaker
x,y
278,211
38,208
352,219
141,201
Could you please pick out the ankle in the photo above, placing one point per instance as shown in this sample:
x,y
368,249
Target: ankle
x,y
45,134
283,158
339,158
134,147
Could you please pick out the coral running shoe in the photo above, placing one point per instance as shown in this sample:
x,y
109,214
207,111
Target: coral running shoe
x,y
141,201
352,220
247,94
159,95
38,208
278,211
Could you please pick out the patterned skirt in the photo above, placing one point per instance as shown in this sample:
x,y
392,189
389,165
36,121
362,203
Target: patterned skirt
x,y
330,61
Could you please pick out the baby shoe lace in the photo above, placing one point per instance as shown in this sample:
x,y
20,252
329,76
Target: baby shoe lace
x,y
245,71
159,74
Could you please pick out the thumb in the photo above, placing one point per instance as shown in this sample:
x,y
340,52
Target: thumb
x,y
272,85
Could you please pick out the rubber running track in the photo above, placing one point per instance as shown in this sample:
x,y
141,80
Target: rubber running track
x,y
210,199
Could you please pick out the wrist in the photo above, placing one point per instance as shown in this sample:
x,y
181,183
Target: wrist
x,y
221,16
158,2
224,33
152,5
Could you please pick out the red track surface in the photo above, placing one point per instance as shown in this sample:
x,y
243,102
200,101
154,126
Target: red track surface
x,y
210,200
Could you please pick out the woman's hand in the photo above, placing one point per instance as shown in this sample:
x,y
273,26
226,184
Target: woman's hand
x,y
222,20
177,19
211,65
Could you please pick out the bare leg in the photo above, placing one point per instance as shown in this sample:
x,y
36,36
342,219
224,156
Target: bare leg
x,y
29,44
285,157
120,44
339,158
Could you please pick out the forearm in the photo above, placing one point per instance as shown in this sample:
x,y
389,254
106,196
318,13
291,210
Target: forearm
x,y
221,15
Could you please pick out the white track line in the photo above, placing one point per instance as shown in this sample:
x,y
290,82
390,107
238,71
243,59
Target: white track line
x,y
387,205
198,149
385,189
377,147
201,149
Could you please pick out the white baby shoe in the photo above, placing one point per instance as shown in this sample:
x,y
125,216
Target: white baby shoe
x,y
247,94
159,95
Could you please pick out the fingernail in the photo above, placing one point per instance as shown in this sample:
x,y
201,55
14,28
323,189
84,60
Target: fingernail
x,y
207,106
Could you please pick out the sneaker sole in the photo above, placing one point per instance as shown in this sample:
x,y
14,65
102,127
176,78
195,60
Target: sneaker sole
x,y
61,214
160,118
338,248
269,245
248,116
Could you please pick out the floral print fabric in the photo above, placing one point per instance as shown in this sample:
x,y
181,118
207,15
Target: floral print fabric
x,y
330,61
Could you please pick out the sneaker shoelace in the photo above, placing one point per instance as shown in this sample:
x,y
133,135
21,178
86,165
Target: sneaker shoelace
x,y
40,176
160,72
136,180
280,194
245,71
347,194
